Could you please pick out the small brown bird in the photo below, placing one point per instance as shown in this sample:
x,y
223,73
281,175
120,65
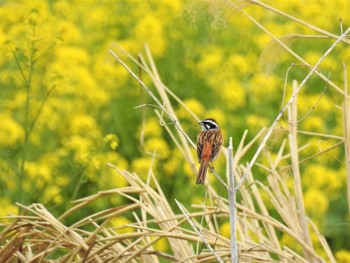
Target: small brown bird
x,y
209,142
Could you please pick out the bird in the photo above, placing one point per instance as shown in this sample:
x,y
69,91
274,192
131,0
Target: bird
x,y
209,142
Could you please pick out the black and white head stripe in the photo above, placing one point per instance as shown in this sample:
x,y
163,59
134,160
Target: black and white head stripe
x,y
209,124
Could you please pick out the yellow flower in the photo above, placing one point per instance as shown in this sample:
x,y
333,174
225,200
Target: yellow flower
x,y
119,224
322,104
262,40
325,179
256,122
172,165
109,180
52,193
152,128
210,60
187,169
83,124
225,229
68,32
342,256
162,244
141,166
117,76
74,55
61,180
194,105
149,30
40,173
263,85
9,14
97,16
232,94
33,17
174,7
7,169
238,64
112,140
11,133
218,114
329,155
115,159
318,146
198,200
267,200
314,124
157,145
288,241
98,172
314,196
8,48
328,64
7,207
51,159
80,146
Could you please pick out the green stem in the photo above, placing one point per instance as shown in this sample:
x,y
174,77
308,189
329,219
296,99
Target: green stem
x,y
27,128
79,184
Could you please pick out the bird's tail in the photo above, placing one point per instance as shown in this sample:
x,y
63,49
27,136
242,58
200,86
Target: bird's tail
x,y
202,172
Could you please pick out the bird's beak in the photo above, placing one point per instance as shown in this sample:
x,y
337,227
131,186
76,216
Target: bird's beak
x,y
200,123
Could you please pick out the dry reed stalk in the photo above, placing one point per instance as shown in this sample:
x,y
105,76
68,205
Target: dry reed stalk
x,y
167,105
232,203
293,145
45,235
346,117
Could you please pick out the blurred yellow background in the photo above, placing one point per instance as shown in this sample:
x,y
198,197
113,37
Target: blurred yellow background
x,y
67,108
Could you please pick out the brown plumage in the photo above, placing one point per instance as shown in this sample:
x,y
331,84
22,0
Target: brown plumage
x,y
209,142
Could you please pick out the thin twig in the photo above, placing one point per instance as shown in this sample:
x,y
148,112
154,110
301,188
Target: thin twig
x,y
329,136
311,157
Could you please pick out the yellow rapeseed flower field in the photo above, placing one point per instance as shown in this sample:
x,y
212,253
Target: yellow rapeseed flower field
x,y
67,108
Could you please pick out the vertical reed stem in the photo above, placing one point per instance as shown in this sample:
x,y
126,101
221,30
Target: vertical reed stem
x,y
232,203
346,116
293,144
